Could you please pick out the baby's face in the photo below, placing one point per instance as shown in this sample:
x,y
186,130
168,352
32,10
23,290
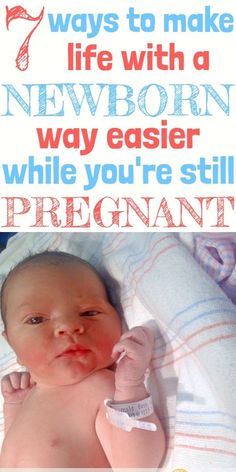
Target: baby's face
x,y
60,322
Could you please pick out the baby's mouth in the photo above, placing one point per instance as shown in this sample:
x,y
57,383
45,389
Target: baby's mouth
x,y
74,350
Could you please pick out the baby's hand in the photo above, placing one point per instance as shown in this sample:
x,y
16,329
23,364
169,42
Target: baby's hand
x,y
15,387
136,346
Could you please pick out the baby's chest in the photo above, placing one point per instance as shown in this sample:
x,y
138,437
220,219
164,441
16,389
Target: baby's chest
x,y
47,435
56,420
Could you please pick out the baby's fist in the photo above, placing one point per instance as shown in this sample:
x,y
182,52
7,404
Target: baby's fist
x,y
136,345
15,386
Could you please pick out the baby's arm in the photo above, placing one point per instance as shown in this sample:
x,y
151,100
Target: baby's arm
x,y
14,387
138,448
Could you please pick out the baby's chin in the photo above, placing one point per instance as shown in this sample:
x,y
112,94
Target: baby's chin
x,y
67,377
58,381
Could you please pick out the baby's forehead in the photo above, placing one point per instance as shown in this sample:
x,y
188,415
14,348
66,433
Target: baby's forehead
x,y
73,267
44,268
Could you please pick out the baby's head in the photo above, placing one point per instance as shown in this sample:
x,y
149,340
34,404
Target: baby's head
x,y
58,318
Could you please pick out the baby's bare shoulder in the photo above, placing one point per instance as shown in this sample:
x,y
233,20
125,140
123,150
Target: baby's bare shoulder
x,y
92,391
102,383
103,376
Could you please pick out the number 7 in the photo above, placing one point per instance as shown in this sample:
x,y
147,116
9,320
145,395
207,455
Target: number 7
x,y
22,59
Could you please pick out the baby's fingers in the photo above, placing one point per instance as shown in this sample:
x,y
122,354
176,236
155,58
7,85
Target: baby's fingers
x,y
141,335
10,383
25,380
14,380
131,348
6,386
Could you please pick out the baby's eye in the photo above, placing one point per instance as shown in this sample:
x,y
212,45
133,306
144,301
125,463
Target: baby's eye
x,y
90,313
33,320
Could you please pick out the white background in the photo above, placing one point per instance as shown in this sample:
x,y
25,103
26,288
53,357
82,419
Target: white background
x,y
48,64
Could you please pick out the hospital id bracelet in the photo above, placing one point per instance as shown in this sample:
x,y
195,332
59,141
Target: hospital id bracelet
x,y
135,410
127,415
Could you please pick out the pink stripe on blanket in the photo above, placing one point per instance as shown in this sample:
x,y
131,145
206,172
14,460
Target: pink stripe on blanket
x,y
206,449
140,270
114,244
206,436
196,333
191,351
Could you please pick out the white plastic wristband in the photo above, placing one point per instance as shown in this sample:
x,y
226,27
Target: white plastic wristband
x,y
127,415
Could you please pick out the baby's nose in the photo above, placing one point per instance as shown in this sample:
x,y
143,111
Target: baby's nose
x,y
67,327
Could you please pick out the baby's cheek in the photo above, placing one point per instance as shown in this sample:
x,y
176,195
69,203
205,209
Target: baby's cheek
x,y
108,345
31,355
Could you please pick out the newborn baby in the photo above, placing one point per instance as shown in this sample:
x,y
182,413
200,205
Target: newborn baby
x,y
59,321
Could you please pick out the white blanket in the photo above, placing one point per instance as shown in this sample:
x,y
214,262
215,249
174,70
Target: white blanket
x,y
194,366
